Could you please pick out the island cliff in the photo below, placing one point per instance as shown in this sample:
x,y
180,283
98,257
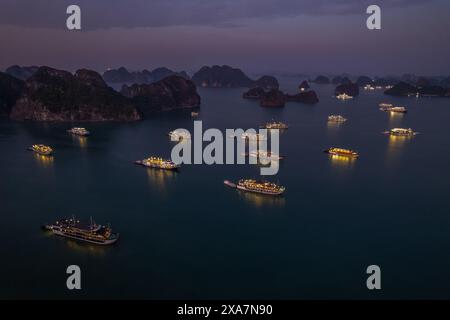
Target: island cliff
x,y
221,77
10,90
57,95
173,92
351,89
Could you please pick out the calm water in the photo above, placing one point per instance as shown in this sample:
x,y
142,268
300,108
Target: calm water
x,y
186,235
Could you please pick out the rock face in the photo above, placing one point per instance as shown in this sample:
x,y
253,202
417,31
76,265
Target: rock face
x,y
308,97
433,91
276,98
254,93
267,82
405,89
173,92
363,81
122,75
10,90
22,73
401,89
383,82
56,95
273,98
322,80
303,86
350,89
221,77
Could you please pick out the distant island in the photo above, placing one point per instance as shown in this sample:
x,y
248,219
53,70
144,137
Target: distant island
x,y
57,95
406,89
277,98
170,93
122,75
228,77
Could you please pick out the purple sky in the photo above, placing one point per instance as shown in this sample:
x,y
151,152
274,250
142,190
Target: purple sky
x,y
259,36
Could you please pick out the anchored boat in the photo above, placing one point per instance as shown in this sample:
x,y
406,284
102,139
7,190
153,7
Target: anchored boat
x,y
79,131
401,132
387,107
74,229
41,149
336,118
255,186
157,162
275,125
342,152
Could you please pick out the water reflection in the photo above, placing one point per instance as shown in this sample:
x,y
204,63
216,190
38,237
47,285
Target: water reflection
x,y
44,161
342,161
91,249
82,141
395,145
395,118
260,200
159,178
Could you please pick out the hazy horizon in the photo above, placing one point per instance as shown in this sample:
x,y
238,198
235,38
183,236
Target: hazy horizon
x,y
259,37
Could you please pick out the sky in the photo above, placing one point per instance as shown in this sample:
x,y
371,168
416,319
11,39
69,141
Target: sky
x,y
258,36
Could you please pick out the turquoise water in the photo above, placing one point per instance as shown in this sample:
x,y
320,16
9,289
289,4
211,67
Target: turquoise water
x,y
186,235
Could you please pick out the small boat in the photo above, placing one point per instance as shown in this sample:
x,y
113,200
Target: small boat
x,y
262,187
91,233
41,149
336,118
79,131
391,108
343,96
342,152
275,125
177,135
158,163
401,132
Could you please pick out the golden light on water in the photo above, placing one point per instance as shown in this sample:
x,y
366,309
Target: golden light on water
x,y
260,200
342,161
160,177
82,141
44,161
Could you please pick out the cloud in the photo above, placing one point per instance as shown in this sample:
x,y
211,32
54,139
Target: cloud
x,y
160,13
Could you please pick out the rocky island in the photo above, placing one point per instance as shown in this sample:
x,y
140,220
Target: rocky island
x,y
122,75
276,98
57,95
10,90
170,93
22,73
221,77
351,89
322,80
404,89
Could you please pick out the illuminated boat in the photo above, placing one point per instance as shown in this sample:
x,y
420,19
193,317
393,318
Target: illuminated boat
x,y
158,163
391,108
336,118
41,149
343,96
91,233
262,187
79,131
342,152
275,125
177,135
401,132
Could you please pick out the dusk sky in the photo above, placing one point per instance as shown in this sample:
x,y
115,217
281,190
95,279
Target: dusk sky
x,y
259,36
